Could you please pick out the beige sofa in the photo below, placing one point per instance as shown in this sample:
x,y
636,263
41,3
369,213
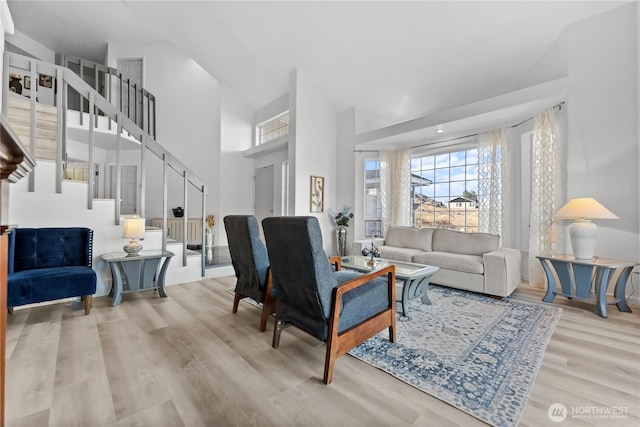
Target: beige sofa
x,y
470,261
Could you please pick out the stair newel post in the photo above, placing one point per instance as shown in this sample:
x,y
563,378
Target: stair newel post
x,y
154,116
32,121
165,170
92,169
118,165
203,189
97,83
129,98
60,133
107,88
185,183
121,92
143,125
80,98
5,83
143,174
65,112
135,104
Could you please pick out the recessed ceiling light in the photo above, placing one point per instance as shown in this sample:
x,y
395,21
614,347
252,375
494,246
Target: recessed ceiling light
x,y
439,130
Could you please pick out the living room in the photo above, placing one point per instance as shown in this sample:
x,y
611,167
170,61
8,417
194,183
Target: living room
x,y
590,65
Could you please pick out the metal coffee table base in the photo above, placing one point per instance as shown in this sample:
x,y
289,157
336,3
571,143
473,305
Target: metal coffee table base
x,y
415,288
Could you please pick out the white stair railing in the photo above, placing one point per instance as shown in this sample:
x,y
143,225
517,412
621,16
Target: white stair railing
x,y
67,82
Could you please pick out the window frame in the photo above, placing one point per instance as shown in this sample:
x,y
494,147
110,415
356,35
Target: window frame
x,y
259,140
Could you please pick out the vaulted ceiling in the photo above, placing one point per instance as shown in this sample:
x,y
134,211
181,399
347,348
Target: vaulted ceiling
x,y
397,60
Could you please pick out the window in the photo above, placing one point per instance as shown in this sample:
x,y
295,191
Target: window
x,y
444,188
273,128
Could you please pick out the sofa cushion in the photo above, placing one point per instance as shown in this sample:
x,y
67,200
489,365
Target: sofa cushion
x,y
46,284
399,254
409,237
450,261
458,242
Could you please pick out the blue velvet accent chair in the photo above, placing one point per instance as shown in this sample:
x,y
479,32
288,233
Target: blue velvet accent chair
x,y
343,308
251,264
47,264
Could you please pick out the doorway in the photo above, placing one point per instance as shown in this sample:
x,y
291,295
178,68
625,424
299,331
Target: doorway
x,y
264,192
131,70
128,188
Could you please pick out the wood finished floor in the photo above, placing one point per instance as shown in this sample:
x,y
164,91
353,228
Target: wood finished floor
x,y
186,360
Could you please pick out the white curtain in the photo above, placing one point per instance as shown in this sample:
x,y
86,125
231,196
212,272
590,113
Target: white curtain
x,y
544,234
395,188
494,183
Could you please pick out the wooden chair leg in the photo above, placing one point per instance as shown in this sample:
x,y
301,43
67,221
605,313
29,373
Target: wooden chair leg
x,y
330,361
88,300
267,310
268,306
236,301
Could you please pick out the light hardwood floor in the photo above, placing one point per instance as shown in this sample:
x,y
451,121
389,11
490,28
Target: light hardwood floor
x,y
186,360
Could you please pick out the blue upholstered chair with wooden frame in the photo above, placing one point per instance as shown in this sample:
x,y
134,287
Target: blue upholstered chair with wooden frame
x,y
47,264
251,264
343,308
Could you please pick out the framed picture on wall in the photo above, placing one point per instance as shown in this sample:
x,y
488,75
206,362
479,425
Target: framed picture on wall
x,y
46,81
317,194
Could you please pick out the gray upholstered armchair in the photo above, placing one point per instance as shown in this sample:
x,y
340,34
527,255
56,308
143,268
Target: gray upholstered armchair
x,y
251,264
343,308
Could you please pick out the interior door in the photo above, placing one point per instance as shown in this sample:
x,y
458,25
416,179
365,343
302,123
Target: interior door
x,y
129,188
131,69
264,192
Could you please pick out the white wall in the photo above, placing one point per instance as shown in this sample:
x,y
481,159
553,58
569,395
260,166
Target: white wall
x,y
350,174
235,183
603,127
187,117
313,145
26,44
600,58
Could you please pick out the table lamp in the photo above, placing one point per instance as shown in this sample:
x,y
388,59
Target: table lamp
x,y
582,231
133,229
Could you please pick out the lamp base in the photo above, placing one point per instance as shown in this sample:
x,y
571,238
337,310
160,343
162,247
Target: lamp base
x,y
132,248
583,234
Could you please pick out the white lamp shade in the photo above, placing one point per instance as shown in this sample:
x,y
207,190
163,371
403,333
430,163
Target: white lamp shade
x,y
583,233
133,228
584,208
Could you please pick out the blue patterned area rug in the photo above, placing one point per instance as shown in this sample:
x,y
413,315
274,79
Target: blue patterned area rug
x,y
479,354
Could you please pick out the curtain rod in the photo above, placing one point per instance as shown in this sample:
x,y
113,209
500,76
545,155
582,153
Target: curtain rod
x,y
558,105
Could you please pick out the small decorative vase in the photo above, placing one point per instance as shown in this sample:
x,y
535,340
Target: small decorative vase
x,y
209,238
341,240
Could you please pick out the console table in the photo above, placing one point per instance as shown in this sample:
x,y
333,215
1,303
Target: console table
x,y
137,273
576,275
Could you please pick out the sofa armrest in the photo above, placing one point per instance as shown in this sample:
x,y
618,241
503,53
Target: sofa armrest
x,y
358,245
502,273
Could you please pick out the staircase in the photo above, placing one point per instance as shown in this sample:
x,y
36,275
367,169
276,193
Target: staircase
x,y
18,113
54,134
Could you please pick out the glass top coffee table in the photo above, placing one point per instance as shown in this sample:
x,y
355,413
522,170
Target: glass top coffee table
x,y
415,276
